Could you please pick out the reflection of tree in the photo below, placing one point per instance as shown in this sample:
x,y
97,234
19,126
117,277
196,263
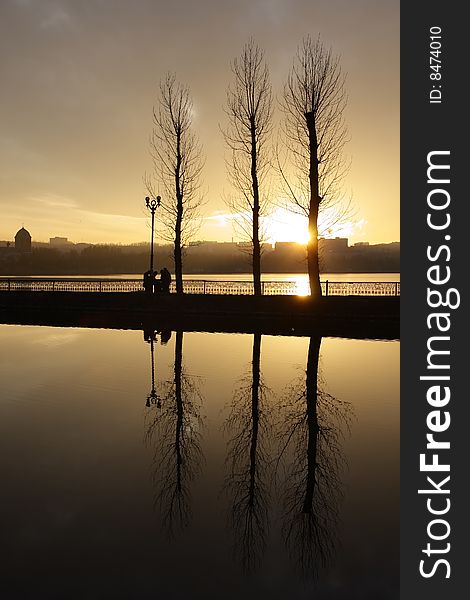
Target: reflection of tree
x,y
174,431
247,462
311,436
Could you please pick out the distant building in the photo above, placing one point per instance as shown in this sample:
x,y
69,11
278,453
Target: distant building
x,y
59,242
203,243
204,247
286,246
23,241
361,244
245,245
333,244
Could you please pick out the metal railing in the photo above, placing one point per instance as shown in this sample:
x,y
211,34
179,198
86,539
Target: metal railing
x,y
268,288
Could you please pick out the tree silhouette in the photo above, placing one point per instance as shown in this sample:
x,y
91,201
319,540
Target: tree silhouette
x,y
314,134
174,431
310,437
178,163
249,112
248,464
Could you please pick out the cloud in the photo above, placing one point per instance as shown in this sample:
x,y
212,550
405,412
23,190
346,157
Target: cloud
x,y
55,17
223,219
348,229
55,201
48,14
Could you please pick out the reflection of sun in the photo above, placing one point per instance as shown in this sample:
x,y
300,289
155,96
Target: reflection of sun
x,y
302,287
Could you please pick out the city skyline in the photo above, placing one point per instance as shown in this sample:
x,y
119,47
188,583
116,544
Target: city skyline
x,y
64,239
81,80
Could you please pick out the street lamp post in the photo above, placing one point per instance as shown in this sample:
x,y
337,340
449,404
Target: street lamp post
x,y
152,205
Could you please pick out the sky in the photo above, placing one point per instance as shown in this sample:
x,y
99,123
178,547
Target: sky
x,y
79,80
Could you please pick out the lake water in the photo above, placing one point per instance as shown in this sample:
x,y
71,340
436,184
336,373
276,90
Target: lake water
x,y
248,466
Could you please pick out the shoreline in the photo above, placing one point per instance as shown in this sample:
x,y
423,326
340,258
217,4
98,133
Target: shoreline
x,y
366,317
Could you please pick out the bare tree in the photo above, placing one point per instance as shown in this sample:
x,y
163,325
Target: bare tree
x,y
313,424
249,111
173,428
177,161
313,103
247,481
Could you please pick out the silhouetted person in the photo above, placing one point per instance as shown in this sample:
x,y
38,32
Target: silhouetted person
x,y
149,279
165,280
149,335
165,336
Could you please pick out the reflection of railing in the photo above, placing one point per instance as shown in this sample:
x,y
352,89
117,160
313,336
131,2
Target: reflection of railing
x,y
268,288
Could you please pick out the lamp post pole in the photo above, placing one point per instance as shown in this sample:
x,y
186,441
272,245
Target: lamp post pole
x,y
152,205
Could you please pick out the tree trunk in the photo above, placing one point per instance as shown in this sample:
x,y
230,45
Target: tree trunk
x,y
256,256
312,422
314,205
255,414
179,432
178,258
255,236
179,218
312,253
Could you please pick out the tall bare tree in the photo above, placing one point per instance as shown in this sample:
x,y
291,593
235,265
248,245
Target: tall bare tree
x,y
311,435
177,161
313,103
249,110
173,428
248,480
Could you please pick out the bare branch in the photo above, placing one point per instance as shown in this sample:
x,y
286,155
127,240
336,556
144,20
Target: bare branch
x,y
311,434
249,110
178,163
313,135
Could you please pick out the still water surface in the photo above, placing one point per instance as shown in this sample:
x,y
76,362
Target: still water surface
x,y
250,467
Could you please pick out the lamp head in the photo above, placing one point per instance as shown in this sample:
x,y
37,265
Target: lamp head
x,y
152,204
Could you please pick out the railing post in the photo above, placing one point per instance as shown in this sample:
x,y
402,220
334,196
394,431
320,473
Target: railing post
x,y
100,285
396,288
8,285
204,289
326,288
262,288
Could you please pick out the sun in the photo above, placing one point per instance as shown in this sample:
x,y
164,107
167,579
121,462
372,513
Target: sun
x,y
285,226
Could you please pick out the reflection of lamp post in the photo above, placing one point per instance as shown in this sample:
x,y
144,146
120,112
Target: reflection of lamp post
x,y
152,205
152,398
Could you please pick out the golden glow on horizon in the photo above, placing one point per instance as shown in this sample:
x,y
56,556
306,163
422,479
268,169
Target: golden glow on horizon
x,y
285,226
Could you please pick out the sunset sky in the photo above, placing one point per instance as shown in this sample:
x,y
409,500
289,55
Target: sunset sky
x,y
79,80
